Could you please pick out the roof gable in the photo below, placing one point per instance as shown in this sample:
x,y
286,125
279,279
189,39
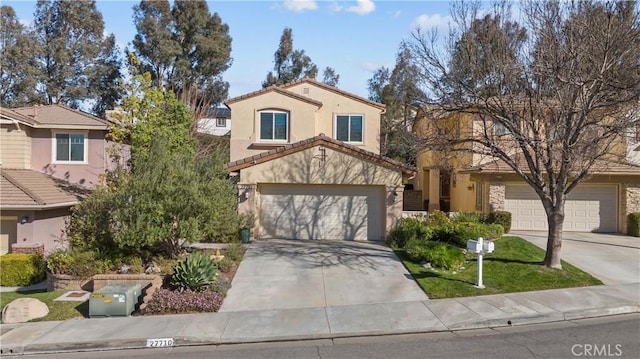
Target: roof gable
x,y
335,90
317,141
273,89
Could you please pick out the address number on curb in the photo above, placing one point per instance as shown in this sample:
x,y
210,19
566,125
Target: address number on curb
x,y
158,343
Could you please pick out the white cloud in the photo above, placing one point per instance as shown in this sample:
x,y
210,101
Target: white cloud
x,y
300,5
426,22
394,14
363,7
335,7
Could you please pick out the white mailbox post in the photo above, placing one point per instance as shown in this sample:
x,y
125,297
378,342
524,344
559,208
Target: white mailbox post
x,y
480,247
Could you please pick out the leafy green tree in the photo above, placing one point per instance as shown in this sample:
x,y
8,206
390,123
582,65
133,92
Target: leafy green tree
x,y
18,66
397,89
288,64
330,77
167,196
185,48
154,42
73,55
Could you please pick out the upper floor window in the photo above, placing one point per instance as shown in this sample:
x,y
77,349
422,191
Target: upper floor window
x,y
221,122
70,147
274,126
500,128
349,128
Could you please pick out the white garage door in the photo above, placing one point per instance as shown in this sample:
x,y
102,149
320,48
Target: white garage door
x,y
588,209
321,212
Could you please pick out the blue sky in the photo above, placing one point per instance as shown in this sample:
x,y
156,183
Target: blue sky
x,y
353,37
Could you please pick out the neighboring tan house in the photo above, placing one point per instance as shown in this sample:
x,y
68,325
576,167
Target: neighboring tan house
x,y
216,121
50,157
470,182
307,159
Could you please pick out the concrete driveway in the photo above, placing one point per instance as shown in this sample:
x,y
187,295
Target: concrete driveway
x,y
287,274
612,258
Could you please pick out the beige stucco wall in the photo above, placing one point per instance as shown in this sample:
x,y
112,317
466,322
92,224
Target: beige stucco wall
x,y
307,166
335,104
15,146
306,119
245,122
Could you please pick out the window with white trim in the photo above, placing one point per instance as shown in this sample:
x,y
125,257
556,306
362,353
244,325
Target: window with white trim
x,y
70,147
221,122
349,128
274,126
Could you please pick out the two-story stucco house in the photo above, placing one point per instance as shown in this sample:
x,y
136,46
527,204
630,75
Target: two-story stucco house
x,y
470,182
215,121
307,158
50,156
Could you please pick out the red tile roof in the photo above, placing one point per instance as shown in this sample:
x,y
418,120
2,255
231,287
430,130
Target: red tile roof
x,y
317,141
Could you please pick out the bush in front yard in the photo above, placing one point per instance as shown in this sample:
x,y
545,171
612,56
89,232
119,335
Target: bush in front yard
x,y
166,301
459,233
633,224
502,218
21,269
407,229
440,255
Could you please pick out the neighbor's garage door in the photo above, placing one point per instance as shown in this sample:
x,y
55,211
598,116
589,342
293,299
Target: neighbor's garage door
x,y
321,212
589,208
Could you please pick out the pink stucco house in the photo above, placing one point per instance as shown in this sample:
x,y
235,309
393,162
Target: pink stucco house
x,y
50,156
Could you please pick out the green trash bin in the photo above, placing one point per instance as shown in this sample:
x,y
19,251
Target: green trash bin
x,y
244,235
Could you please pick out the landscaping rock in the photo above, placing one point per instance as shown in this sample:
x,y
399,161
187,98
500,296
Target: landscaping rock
x,y
152,268
23,310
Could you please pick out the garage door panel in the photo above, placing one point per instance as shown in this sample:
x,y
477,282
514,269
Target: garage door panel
x,y
588,208
320,212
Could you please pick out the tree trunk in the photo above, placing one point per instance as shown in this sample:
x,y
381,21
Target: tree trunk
x,y
555,219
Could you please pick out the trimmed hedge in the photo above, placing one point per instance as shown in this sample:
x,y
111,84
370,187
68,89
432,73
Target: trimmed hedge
x,y
502,218
455,233
20,270
459,233
633,224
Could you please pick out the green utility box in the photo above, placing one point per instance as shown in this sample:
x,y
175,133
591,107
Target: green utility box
x,y
114,300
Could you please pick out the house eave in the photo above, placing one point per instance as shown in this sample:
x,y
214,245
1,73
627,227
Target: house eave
x,y
36,207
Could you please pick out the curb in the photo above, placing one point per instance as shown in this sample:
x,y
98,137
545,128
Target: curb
x,y
182,341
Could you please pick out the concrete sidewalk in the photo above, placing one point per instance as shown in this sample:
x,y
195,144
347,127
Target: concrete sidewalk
x,y
321,323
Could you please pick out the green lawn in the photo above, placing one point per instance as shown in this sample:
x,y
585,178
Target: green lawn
x,y
57,310
515,266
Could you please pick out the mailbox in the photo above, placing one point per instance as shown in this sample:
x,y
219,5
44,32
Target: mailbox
x,y
480,246
488,246
473,246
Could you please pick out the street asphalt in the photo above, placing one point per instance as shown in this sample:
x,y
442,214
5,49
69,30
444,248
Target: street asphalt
x,y
354,315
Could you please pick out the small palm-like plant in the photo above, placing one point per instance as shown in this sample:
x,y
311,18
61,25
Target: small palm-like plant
x,y
196,272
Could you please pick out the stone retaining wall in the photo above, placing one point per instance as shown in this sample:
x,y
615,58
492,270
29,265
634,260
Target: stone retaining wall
x,y
34,248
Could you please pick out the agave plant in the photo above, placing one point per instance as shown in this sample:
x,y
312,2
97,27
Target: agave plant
x,y
196,272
